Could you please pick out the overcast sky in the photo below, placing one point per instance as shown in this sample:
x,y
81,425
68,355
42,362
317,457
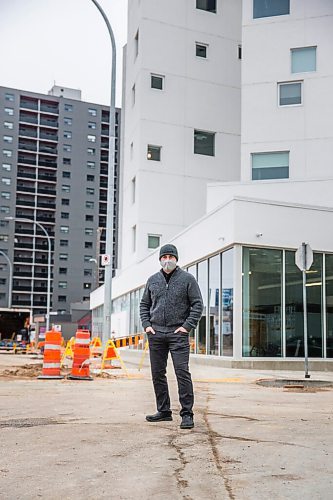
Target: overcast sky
x,y
66,42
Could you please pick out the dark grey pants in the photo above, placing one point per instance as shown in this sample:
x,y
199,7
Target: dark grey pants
x,y
178,345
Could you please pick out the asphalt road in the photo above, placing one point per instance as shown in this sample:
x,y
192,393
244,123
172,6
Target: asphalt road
x,y
63,439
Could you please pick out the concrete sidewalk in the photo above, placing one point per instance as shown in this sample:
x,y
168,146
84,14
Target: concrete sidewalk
x,y
87,440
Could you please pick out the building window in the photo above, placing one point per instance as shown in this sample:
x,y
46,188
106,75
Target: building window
x,y
274,165
201,50
290,94
7,167
134,238
239,52
64,229
154,152
6,180
67,120
89,231
4,210
7,152
92,111
91,165
89,218
87,258
5,195
91,138
90,191
136,44
8,139
67,148
89,204
133,189
303,59
208,5
91,151
154,241
90,178
62,284
64,215
4,237
63,256
62,298
68,107
88,244
63,243
65,188
67,134
9,111
9,97
87,286
92,125
8,125
66,161
87,272
269,8
65,201
204,143
62,270
66,175
157,82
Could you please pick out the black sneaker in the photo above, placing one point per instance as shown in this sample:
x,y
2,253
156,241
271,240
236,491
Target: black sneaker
x,y
187,422
159,417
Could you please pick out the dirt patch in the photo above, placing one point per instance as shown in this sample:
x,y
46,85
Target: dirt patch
x,y
25,371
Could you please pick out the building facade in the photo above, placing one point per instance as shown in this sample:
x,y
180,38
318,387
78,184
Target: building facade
x,y
54,174
242,248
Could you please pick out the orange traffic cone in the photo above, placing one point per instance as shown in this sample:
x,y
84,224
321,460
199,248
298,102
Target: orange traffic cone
x,y
51,359
81,359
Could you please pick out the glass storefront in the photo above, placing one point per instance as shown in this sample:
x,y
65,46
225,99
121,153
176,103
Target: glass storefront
x,y
262,289
273,304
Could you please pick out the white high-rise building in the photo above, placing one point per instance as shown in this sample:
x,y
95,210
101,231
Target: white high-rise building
x,y
182,116
264,192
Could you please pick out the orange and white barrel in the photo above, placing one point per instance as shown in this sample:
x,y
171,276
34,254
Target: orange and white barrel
x,y
51,356
81,359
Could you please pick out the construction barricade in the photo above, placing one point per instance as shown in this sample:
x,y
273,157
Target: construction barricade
x,y
51,356
69,351
96,348
81,360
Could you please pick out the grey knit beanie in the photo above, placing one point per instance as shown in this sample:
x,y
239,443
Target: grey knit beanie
x,y
169,250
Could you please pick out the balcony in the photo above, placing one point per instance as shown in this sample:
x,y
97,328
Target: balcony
x,y
25,189
21,302
26,274
104,157
45,148
25,145
48,122
48,135
28,118
45,218
28,159
24,203
49,162
103,184
43,204
46,177
49,107
18,260
26,175
20,288
50,192
27,131
29,103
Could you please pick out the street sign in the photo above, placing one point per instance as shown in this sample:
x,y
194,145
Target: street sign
x,y
105,259
304,257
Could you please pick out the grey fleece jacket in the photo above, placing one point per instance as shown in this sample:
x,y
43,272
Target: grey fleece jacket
x,y
167,306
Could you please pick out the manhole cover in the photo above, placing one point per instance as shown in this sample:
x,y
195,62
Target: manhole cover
x,y
28,422
294,383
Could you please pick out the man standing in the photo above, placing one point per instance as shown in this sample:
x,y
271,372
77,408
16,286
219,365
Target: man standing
x,y
170,307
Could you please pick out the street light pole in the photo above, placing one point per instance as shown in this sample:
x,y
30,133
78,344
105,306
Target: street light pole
x,y
10,284
48,298
106,334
